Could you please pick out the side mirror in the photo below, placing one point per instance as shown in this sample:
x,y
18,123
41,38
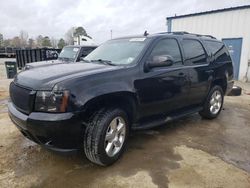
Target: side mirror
x,y
161,61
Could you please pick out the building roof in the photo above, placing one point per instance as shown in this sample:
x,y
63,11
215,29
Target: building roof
x,y
210,12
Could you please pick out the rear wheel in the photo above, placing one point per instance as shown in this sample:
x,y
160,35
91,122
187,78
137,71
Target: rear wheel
x,y
106,135
213,103
236,91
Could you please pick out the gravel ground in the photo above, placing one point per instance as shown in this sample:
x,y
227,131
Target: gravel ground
x,y
190,152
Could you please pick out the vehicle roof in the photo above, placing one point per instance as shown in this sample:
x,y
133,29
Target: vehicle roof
x,y
173,34
81,46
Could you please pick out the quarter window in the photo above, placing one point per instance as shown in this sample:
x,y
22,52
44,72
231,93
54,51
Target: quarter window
x,y
214,47
167,47
218,50
194,51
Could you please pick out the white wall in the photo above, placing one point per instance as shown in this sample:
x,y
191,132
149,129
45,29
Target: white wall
x,y
83,40
229,24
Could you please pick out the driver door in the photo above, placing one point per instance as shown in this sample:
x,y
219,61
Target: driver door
x,y
164,89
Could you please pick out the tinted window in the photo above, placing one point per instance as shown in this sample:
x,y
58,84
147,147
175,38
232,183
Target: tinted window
x,y
86,51
218,50
167,47
194,51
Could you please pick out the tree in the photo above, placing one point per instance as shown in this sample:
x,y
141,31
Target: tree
x,y
16,42
39,41
69,36
53,42
46,42
6,42
31,43
80,31
23,38
61,43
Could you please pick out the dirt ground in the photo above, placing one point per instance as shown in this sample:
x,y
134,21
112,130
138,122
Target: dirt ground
x,y
190,152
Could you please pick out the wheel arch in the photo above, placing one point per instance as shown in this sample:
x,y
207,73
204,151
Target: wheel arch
x,y
222,82
123,99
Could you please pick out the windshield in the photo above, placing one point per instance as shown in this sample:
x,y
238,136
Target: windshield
x,y
118,52
68,53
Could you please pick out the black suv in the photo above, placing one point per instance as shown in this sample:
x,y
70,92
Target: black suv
x,y
127,83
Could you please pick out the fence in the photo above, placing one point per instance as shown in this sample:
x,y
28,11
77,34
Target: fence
x,y
34,55
8,51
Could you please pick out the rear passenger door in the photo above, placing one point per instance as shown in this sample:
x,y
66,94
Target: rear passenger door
x,y
200,73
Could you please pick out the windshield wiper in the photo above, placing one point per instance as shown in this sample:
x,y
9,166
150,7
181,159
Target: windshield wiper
x,y
85,60
64,59
106,62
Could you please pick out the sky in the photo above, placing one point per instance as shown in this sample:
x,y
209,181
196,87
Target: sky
x,y
124,17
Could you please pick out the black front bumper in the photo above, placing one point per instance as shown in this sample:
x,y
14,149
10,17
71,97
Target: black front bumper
x,y
61,132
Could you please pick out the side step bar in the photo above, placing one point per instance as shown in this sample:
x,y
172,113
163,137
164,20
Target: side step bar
x,y
167,119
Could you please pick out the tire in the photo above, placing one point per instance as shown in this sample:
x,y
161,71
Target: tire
x,y
98,133
236,91
213,104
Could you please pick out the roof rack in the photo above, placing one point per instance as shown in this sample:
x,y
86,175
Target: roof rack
x,y
187,33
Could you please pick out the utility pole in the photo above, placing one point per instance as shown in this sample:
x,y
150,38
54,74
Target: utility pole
x,y
111,33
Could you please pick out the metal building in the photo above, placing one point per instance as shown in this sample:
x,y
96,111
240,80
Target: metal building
x,y
231,25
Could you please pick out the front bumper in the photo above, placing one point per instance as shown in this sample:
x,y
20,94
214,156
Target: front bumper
x,y
59,132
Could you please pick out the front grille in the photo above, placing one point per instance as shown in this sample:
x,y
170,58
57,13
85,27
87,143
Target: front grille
x,y
21,98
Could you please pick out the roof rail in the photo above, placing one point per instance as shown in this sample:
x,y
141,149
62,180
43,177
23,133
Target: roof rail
x,y
199,35
187,33
175,33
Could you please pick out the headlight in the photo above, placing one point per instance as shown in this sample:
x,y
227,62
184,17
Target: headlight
x,y
51,101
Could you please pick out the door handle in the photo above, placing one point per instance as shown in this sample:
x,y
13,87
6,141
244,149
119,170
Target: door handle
x,y
183,76
209,71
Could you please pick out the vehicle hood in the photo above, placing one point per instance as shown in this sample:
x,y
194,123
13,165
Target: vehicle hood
x,y
45,77
42,64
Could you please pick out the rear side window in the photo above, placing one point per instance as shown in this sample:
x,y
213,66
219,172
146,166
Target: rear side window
x,y
214,47
218,50
167,47
194,51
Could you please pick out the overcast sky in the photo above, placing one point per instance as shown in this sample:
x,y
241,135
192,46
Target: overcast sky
x,y
98,17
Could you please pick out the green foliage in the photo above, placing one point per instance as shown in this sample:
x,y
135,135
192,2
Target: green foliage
x,y
31,43
7,42
80,31
46,42
16,42
39,41
61,43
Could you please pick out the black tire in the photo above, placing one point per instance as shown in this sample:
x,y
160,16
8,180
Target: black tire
x,y
94,138
236,91
206,112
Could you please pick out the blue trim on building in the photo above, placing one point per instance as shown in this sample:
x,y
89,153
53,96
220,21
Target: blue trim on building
x,y
169,24
209,12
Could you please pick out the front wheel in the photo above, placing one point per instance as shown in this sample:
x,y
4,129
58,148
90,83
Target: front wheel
x,y
213,103
106,135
